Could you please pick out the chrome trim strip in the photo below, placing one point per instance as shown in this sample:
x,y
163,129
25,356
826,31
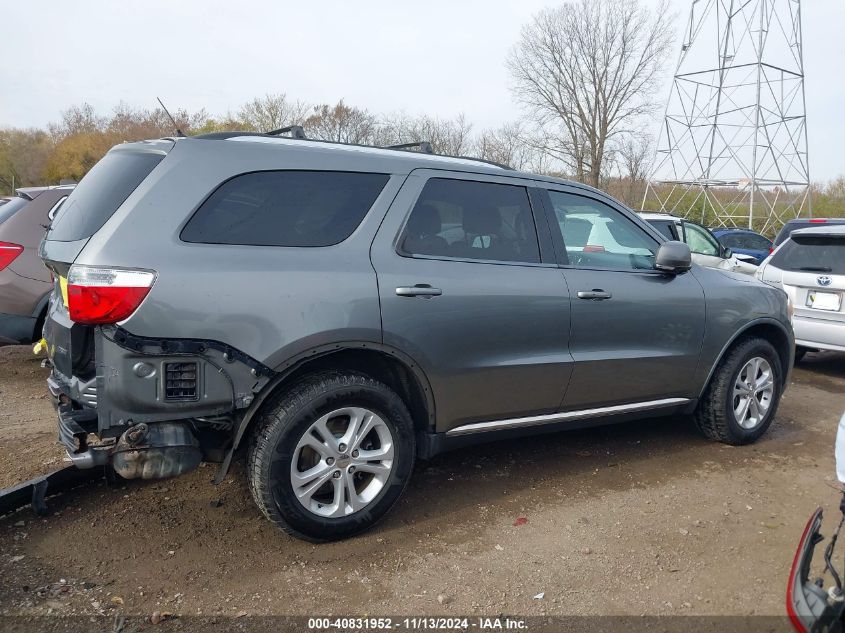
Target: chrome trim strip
x,y
536,420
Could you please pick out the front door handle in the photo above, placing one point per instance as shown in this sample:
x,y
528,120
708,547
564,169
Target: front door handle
x,y
596,294
420,290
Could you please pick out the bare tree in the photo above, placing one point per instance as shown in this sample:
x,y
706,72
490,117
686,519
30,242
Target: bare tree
x,y
447,136
588,70
341,123
271,112
511,145
81,119
633,155
132,124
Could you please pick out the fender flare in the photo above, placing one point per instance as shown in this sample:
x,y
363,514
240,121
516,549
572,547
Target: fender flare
x,y
739,333
284,370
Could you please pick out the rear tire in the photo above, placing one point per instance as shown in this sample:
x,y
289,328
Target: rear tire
x,y
316,470
742,398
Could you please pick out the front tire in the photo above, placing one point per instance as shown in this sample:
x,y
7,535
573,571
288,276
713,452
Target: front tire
x,y
742,398
331,456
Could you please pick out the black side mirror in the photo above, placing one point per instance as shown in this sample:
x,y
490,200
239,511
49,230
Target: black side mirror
x,y
673,257
727,253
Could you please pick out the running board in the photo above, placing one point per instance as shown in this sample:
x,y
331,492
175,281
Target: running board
x,y
537,420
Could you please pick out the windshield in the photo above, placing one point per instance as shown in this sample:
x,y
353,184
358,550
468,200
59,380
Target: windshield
x,y
812,254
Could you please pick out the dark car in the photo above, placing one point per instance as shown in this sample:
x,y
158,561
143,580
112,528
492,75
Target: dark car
x,y
745,242
803,223
340,310
25,282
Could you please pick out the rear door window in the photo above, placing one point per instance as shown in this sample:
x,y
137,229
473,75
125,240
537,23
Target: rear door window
x,y
465,219
816,254
100,193
285,208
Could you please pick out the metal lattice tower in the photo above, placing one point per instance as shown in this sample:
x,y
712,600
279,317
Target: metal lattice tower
x,y
732,150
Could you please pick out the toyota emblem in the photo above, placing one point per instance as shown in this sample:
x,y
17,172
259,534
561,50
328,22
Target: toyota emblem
x,y
823,280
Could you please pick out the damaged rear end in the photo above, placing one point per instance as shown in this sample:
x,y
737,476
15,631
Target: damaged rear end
x,y
148,407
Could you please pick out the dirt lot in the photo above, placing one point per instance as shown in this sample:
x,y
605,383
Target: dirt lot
x,y
645,518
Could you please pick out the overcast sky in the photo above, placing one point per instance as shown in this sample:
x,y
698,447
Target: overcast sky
x,y
435,56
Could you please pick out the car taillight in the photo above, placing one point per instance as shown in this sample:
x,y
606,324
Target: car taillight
x,y
794,586
818,220
8,253
98,295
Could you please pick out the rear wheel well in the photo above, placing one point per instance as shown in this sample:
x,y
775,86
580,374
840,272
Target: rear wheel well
x,y
377,364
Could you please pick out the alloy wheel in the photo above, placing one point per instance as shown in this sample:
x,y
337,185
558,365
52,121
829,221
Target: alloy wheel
x,y
753,392
342,462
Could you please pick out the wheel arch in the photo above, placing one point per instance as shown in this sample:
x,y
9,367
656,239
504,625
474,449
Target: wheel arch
x,y
382,362
768,329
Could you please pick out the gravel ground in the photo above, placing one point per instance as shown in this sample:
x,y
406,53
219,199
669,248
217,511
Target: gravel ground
x,y
642,518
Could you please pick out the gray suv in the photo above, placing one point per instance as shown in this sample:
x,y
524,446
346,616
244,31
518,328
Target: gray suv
x,y
337,311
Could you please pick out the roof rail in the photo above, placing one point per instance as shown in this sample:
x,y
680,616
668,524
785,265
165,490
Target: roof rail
x,y
424,146
296,131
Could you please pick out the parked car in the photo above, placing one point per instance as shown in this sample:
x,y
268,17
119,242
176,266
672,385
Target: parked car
x,y
339,311
810,268
25,283
745,242
803,223
706,249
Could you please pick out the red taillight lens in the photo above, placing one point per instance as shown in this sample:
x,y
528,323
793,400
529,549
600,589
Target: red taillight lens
x,y
105,295
8,253
771,250
818,220
795,576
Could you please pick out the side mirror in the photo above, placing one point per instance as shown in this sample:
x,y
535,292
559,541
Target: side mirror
x,y
727,253
673,257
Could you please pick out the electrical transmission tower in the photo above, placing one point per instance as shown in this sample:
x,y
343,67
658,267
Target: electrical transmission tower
x,y
732,150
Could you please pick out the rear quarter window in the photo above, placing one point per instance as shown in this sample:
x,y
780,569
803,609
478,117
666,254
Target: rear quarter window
x,y
285,208
100,193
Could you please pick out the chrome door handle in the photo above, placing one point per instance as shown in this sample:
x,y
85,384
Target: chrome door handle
x,y
595,294
420,290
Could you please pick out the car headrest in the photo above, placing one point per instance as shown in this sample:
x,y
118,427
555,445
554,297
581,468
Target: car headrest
x,y
425,220
482,221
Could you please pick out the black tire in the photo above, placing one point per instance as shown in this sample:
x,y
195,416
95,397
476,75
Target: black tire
x,y
714,415
800,353
284,422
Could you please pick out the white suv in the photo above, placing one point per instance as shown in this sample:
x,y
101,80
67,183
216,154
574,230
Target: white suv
x,y
810,268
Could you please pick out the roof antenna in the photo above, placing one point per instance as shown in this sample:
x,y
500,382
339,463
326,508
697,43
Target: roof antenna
x,y
170,116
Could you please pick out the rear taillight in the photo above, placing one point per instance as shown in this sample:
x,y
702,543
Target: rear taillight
x,y
771,250
8,253
98,295
818,220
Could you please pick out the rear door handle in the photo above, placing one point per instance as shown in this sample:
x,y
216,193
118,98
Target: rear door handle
x,y
596,294
420,290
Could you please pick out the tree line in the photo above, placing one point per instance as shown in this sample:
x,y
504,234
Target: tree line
x,y
587,74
